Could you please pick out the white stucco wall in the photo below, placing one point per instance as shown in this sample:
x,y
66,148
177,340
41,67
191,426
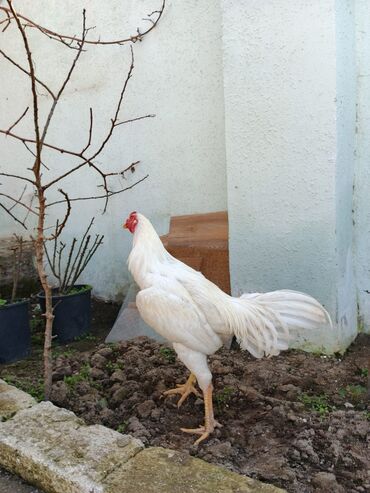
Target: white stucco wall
x,y
177,76
345,167
362,169
289,170
262,108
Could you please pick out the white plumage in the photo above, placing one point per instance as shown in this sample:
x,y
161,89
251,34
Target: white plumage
x,y
197,317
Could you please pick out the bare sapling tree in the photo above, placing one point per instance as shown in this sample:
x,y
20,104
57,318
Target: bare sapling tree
x,y
37,175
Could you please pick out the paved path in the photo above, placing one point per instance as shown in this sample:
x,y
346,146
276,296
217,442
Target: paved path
x,y
12,484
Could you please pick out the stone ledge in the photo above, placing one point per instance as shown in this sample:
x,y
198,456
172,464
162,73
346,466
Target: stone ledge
x,y
13,400
53,449
160,470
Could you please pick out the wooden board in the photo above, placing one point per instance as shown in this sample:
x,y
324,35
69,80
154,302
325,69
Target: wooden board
x,y
201,241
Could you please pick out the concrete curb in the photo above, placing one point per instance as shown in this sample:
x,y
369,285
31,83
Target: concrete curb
x,y
53,449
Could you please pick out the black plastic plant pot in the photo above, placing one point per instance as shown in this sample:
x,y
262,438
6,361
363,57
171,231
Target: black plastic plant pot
x,y
72,313
15,334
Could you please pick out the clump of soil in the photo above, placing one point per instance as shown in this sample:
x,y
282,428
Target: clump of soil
x,y
298,420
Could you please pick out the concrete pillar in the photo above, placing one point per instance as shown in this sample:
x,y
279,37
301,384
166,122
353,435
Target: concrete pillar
x,y
289,84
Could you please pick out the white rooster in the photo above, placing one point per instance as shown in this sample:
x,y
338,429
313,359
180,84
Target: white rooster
x,y
197,317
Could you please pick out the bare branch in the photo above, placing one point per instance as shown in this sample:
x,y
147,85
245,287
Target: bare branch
x,y
66,80
6,21
18,120
62,247
90,132
29,210
10,175
105,183
115,117
122,173
12,215
114,124
69,40
134,119
68,212
95,197
61,226
80,261
17,201
86,160
20,197
44,144
51,264
97,242
67,281
66,270
37,163
28,73
34,155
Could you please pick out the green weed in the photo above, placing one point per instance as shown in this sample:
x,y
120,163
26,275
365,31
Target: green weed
x,y
168,354
83,374
61,351
96,385
36,389
317,403
113,366
363,372
353,392
122,427
223,397
37,339
85,337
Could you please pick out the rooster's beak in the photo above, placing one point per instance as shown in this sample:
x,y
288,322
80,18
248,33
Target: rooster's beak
x,y
125,226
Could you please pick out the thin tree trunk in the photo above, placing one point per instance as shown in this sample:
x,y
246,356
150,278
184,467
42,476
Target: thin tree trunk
x,y
49,316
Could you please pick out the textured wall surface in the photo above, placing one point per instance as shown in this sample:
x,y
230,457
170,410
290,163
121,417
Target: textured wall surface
x,y
282,130
362,170
8,264
256,112
177,76
345,165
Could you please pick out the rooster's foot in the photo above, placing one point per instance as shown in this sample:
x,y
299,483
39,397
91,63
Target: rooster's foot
x,y
184,389
209,421
203,431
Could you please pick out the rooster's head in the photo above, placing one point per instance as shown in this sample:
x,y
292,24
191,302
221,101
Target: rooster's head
x,y
131,222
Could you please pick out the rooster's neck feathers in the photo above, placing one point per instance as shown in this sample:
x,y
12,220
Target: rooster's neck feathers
x,y
147,251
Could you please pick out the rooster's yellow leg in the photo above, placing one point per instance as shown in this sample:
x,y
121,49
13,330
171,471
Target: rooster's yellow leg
x,y
185,389
209,421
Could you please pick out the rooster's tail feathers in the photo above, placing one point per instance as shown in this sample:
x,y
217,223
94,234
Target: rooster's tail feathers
x,y
263,322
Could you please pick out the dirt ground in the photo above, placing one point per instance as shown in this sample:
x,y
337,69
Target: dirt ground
x,y
13,484
300,421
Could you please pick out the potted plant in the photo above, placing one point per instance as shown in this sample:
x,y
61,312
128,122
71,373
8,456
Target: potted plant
x,y
71,301
15,335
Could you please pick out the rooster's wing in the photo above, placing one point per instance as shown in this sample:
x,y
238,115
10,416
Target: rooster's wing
x,y
170,311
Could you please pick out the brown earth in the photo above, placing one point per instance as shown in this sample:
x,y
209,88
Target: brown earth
x,y
300,421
